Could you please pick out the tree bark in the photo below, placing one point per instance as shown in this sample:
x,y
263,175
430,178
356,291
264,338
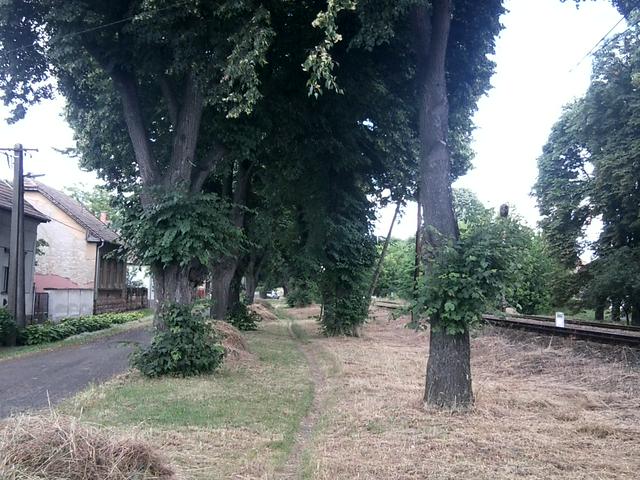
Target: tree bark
x,y
224,269
417,258
233,302
251,276
448,382
599,312
184,108
171,285
222,275
635,314
615,310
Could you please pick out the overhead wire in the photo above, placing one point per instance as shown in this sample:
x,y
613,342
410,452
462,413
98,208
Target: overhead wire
x,y
98,27
604,37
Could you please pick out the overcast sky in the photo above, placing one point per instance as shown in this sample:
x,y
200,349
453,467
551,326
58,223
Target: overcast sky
x,y
537,56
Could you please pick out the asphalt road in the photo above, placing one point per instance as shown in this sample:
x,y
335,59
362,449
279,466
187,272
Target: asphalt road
x,y
34,381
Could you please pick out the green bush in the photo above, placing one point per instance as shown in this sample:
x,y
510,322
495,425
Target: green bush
x,y
52,332
187,346
7,327
301,293
243,319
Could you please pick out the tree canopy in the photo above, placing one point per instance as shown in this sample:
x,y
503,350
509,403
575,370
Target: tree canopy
x,y
589,171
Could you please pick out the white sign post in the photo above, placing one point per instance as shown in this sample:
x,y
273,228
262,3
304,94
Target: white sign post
x,y
560,319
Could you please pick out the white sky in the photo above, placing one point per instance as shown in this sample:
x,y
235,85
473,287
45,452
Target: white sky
x,y
537,73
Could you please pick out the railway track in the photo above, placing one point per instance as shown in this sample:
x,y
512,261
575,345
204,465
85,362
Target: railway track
x,y
593,331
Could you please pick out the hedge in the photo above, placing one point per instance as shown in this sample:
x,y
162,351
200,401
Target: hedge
x,y
52,332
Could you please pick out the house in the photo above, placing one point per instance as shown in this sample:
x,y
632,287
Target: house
x,y
32,218
79,269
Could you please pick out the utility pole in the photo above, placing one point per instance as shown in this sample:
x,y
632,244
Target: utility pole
x,y
16,290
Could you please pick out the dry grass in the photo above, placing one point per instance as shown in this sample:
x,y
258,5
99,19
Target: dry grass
x,y
263,310
239,423
541,412
233,341
57,447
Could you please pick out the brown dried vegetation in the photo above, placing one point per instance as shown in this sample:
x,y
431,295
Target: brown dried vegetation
x,y
234,343
57,447
263,310
565,411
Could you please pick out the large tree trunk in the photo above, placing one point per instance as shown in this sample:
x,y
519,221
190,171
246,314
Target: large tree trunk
x,y
635,314
448,382
599,312
222,275
233,302
251,276
171,285
224,270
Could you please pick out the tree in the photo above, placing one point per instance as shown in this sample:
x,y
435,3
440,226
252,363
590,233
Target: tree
x,y
447,44
396,276
589,170
98,200
148,86
448,369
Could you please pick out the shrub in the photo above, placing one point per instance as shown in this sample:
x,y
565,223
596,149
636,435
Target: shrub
x,y
52,332
7,327
187,346
243,319
301,293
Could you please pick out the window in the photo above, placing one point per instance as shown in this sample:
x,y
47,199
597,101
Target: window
x,y
5,280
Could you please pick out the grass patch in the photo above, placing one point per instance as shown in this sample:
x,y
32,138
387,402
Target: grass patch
x,y
241,420
7,353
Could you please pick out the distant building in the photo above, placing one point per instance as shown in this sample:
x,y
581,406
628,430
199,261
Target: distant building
x,y
78,269
32,218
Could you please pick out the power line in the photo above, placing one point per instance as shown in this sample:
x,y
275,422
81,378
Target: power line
x,y
605,37
99,27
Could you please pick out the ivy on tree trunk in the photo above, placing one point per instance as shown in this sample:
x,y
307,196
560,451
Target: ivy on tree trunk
x,y
448,382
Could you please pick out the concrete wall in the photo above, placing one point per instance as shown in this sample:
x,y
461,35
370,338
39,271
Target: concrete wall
x,y
30,234
69,259
70,303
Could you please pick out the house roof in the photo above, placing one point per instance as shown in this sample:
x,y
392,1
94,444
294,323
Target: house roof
x,y
6,200
94,227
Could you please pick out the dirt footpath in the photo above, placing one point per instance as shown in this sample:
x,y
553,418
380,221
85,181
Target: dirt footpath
x,y
34,381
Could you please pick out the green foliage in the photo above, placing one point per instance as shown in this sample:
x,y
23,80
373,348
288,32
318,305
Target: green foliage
x,y
320,63
186,346
242,318
179,228
614,276
349,254
97,200
590,171
469,209
52,332
468,277
531,286
7,327
396,275
301,293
